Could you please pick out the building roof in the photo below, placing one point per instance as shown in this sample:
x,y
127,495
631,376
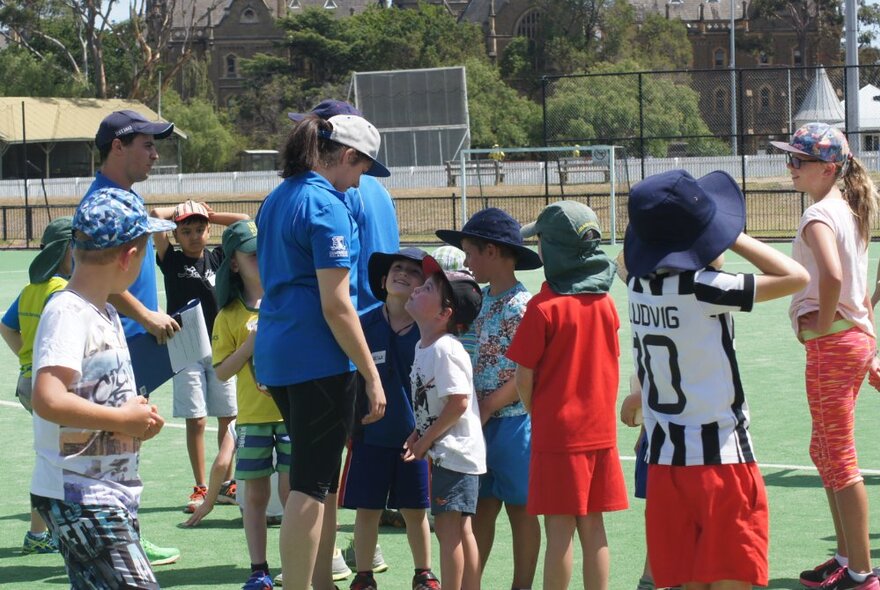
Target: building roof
x,y
869,108
61,119
194,13
821,103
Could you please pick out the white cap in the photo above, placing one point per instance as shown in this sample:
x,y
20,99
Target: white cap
x,y
358,133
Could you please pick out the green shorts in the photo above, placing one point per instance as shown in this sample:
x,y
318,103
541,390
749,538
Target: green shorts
x,y
257,443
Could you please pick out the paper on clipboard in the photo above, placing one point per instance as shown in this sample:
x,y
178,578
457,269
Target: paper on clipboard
x,y
191,343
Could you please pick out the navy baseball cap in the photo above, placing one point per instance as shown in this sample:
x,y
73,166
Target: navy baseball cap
x,y
112,217
326,109
120,123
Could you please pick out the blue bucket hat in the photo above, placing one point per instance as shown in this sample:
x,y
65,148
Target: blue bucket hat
x,y
326,109
497,226
681,223
112,217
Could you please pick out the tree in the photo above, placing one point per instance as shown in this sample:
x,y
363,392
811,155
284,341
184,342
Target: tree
x,y
499,116
211,145
662,44
23,74
819,18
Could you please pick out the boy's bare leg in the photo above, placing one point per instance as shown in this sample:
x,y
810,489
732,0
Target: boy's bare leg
x,y
222,433
484,526
322,578
256,499
471,572
195,447
526,536
300,535
559,530
366,535
418,533
594,544
448,527
38,525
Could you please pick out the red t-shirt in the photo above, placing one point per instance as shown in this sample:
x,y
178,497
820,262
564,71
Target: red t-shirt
x,y
571,343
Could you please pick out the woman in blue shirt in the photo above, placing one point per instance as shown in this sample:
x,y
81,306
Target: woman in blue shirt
x,y
310,341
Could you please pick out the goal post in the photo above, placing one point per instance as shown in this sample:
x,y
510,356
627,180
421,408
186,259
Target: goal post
x,y
600,157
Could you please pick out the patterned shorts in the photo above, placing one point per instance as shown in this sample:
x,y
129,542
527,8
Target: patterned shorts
x,y
100,545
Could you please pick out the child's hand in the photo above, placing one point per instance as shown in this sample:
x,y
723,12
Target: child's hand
x,y
874,373
631,409
138,417
156,427
207,207
376,398
201,511
411,440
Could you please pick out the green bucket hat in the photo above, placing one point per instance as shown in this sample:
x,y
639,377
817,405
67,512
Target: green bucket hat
x,y
573,262
53,247
241,236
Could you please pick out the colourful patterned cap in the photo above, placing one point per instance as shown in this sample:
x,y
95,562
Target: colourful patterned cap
x,y
112,217
820,141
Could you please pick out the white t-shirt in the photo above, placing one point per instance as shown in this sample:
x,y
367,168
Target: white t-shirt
x,y
78,465
438,371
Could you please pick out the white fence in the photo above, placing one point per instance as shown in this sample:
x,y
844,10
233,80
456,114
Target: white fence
x,y
524,173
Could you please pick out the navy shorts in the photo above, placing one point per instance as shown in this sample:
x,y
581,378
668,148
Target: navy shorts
x,y
100,545
318,415
508,448
376,478
642,468
452,491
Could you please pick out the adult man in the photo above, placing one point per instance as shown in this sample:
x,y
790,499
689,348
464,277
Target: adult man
x,y
126,142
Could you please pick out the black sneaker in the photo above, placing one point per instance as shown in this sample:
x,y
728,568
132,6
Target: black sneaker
x,y
841,580
363,582
813,578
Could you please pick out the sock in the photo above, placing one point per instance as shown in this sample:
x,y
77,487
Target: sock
x,y
844,561
260,567
857,577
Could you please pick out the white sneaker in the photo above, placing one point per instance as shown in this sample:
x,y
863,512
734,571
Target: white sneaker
x,y
340,569
278,579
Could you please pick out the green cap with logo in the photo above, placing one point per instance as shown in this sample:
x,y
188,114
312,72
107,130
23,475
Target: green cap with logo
x,y
573,262
241,236
53,247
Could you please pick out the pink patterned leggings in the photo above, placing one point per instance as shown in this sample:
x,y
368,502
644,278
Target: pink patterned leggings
x,y
836,367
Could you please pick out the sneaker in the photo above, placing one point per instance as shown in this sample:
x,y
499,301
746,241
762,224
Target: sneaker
x,y
841,580
363,582
340,568
274,520
258,581
196,499
159,555
227,493
279,579
42,543
425,581
813,578
379,564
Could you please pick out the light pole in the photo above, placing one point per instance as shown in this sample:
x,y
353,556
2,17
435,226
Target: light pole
x,y
732,63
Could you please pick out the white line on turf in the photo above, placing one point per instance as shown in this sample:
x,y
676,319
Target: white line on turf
x,y
8,404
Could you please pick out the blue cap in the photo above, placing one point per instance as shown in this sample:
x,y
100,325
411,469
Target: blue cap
x,y
112,217
121,123
326,109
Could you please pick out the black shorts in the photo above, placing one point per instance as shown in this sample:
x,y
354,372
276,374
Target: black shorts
x,y
319,415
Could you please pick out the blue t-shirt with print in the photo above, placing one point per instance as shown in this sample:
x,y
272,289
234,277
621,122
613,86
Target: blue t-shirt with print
x,y
492,332
304,225
393,355
144,286
376,217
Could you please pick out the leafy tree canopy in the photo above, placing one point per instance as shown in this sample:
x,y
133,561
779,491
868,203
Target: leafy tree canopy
x,y
211,145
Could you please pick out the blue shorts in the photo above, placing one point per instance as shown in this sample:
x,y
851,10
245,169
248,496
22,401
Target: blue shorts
x,y
508,448
642,468
452,491
377,478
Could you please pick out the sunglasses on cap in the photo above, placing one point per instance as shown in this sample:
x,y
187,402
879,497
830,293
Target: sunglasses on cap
x,y
796,161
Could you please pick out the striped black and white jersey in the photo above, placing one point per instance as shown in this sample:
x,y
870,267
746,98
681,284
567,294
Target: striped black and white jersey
x,y
683,347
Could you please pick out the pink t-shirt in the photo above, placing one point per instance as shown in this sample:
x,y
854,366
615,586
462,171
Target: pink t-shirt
x,y
853,252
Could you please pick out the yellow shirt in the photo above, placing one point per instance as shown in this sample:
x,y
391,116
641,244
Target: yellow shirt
x,y
31,302
231,329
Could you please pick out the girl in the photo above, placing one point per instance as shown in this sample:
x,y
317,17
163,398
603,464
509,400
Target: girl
x,y
309,328
833,317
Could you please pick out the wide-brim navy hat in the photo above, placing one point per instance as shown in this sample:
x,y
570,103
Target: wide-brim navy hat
x,y
380,263
681,223
494,225
326,109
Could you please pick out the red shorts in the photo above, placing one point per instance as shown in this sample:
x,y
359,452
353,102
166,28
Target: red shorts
x,y
707,523
576,483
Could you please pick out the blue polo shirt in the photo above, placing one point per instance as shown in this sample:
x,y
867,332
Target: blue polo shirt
x,y
393,355
144,287
304,225
376,217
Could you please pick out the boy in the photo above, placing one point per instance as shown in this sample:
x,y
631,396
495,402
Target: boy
x,y
567,350
189,274
447,422
493,250
376,476
88,420
700,453
48,273
260,430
